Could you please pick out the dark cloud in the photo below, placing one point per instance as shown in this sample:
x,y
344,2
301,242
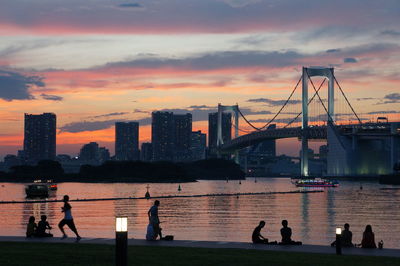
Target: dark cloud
x,y
217,60
200,107
140,111
393,96
365,99
130,5
198,114
111,114
75,127
349,60
383,112
51,97
271,102
81,126
253,40
333,50
390,98
16,86
391,33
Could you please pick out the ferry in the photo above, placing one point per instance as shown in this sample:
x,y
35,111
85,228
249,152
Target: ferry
x,y
49,182
317,182
37,190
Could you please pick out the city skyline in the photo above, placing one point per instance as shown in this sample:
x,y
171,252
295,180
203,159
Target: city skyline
x,y
148,57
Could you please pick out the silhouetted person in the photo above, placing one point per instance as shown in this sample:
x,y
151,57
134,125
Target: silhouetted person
x,y
31,227
257,238
368,240
154,220
286,233
68,219
42,226
346,237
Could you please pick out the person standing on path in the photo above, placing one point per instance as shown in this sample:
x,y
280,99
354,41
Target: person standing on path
x,y
68,219
154,220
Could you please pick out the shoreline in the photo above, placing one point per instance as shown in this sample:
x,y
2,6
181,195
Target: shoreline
x,y
168,196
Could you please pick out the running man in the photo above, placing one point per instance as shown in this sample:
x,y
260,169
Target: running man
x,y
68,219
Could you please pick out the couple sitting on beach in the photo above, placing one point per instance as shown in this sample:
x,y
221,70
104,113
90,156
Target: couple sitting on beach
x,y
286,233
38,230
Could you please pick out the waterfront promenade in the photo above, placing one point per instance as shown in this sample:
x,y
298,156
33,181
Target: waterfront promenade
x,y
319,249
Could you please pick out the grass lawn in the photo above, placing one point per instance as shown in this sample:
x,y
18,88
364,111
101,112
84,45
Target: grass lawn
x,y
44,254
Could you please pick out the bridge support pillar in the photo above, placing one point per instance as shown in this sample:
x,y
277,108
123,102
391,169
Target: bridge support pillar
x,y
307,73
220,140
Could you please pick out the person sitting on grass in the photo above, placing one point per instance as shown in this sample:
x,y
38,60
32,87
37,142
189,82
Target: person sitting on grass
x,y
257,238
368,240
42,226
31,227
286,233
346,238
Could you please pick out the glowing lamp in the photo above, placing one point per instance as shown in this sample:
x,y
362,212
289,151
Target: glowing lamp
x,y
121,224
338,241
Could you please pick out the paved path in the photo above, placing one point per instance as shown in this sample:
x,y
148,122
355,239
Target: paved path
x,y
214,244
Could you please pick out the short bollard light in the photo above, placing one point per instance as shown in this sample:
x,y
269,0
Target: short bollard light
x,y
121,241
338,241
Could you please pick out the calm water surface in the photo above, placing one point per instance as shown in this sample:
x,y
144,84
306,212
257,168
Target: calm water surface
x,y
313,217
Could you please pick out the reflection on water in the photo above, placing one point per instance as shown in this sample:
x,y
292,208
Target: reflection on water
x,y
313,217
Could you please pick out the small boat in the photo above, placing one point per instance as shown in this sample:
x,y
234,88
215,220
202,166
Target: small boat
x,y
179,188
37,190
50,183
317,182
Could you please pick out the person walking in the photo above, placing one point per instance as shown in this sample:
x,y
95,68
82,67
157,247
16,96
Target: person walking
x,y
68,219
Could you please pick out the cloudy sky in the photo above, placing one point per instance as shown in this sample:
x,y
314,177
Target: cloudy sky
x,y
96,62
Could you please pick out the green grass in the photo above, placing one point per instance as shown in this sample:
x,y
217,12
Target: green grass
x,y
46,254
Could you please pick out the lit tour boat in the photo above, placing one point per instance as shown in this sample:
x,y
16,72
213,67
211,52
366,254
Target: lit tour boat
x,y
317,182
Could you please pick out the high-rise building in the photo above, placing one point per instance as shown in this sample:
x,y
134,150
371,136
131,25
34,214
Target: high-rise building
x,y
162,136
89,153
40,137
126,141
226,126
182,136
146,152
198,145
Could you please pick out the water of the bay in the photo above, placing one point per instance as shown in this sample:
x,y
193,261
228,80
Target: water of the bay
x,y
313,217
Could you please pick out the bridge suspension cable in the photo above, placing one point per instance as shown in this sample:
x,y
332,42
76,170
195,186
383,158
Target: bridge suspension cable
x,y
312,98
280,110
348,102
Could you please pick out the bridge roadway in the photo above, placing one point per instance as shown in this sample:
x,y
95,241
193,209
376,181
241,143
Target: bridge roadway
x,y
366,130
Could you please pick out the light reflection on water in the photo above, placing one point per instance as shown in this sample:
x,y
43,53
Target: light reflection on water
x,y
312,217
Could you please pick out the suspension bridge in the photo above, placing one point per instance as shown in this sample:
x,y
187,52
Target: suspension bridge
x,y
346,134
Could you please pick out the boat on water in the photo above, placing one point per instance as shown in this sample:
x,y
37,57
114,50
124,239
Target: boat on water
x,y
49,182
316,182
37,190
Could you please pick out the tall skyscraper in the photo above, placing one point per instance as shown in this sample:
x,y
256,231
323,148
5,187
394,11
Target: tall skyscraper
x,y
182,136
198,145
40,137
226,126
162,136
126,141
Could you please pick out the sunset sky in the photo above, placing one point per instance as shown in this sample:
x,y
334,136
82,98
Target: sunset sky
x,y
96,62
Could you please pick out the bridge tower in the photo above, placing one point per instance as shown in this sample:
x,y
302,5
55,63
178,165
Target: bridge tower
x,y
235,110
307,73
